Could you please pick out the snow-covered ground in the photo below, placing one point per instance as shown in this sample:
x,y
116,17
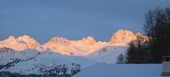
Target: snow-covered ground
x,y
15,61
121,70
107,54
44,60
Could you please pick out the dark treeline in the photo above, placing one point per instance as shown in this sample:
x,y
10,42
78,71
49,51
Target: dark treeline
x,y
157,28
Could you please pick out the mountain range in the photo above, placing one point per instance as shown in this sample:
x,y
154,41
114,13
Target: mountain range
x,y
61,56
64,46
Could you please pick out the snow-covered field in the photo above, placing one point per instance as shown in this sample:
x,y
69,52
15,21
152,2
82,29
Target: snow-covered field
x,y
121,70
107,54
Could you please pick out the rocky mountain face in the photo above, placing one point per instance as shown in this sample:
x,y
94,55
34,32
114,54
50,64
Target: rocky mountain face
x,y
124,37
12,43
30,43
21,43
82,47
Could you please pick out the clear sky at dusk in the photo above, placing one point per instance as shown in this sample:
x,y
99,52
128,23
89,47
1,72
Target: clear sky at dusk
x,y
73,19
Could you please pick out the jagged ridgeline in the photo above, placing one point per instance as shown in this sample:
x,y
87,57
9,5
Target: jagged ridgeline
x,y
64,46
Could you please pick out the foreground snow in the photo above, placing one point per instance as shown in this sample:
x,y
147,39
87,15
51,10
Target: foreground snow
x,y
121,70
107,54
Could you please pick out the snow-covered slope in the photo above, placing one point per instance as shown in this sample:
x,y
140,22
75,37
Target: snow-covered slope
x,y
35,61
107,54
32,61
121,70
8,55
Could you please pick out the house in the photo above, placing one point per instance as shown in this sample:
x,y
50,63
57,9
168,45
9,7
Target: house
x,y
166,66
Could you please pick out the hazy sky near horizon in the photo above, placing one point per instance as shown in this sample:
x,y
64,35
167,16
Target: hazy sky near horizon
x,y
73,19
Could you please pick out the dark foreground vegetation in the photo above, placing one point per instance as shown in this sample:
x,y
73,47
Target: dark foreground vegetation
x,y
9,74
157,28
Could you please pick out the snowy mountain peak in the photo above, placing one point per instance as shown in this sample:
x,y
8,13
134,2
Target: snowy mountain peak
x,y
58,39
88,40
11,37
58,44
21,43
122,32
11,42
26,39
122,38
29,42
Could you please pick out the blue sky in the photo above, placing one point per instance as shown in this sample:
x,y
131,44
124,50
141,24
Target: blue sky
x,y
73,19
